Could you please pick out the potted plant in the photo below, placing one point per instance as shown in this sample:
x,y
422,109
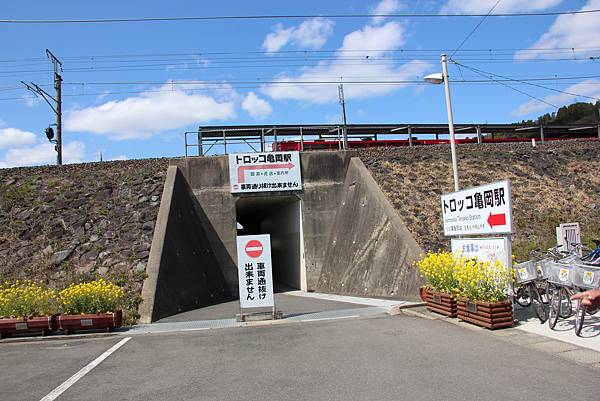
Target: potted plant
x,y
93,305
437,269
482,289
26,307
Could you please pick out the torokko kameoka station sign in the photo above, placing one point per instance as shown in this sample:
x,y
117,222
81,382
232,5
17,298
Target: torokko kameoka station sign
x,y
265,172
478,211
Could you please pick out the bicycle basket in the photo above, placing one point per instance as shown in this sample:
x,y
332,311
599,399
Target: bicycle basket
x,y
525,272
586,276
560,274
541,269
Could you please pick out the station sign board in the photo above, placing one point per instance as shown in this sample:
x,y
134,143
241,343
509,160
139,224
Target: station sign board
x,y
484,249
255,277
265,172
478,211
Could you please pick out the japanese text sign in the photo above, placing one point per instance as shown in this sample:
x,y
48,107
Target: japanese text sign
x,y
481,210
255,276
264,172
484,249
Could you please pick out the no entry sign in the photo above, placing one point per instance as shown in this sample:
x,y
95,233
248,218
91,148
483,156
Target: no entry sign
x,y
255,277
253,248
481,210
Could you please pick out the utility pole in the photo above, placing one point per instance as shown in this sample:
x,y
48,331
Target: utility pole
x,y
450,121
56,107
58,89
343,103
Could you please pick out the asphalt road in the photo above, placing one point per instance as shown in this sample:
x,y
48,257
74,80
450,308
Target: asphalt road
x,y
383,358
289,305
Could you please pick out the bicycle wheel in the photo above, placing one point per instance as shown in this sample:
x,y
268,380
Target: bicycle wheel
x,y
538,306
566,306
554,307
523,296
579,317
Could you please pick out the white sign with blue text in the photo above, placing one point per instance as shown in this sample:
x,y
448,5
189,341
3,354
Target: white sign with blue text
x,y
484,249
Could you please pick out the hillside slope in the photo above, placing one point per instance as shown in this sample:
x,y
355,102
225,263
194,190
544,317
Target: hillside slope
x,y
73,222
555,182
64,224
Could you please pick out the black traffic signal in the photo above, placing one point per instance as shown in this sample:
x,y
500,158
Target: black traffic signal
x,y
49,133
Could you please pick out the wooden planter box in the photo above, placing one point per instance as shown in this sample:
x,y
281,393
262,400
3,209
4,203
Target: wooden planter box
x,y
491,315
440,302
97,321
36,325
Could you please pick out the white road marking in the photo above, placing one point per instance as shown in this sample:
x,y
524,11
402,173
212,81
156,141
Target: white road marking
x,y
385,303
329,318
196,329
86,369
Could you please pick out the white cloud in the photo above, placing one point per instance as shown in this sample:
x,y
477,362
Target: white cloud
x,y
505,6
41,154
384,38
164,108
258,108
385,7
11,137
590,87
568,31
310,34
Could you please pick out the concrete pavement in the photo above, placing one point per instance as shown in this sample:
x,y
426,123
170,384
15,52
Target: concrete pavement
x,y
385,358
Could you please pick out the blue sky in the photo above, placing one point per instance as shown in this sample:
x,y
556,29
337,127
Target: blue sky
x,y
131,89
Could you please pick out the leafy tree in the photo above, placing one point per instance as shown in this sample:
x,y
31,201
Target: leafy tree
x,y
576,113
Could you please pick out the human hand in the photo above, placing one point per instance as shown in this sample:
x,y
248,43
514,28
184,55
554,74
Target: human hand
x,y
590,299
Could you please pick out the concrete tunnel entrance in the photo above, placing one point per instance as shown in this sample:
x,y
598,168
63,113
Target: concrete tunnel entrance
x,y
281,217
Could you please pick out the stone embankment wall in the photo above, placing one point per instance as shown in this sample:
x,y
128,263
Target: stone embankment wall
x,y
555,182
63,224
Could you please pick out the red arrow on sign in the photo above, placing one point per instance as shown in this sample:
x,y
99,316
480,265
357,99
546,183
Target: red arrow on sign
x,y
242,169
496,220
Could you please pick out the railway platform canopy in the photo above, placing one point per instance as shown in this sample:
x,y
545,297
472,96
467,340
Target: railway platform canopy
x,y
260,138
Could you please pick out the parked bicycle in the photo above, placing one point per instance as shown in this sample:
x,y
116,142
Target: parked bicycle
x,y
528,274
586,276
560,277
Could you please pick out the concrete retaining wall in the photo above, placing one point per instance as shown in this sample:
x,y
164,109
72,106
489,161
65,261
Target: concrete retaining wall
x,y
353,240
370,251
183,271
323,176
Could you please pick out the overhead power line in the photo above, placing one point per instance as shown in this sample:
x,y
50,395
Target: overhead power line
x,y
527,82
488,53
474,29
211,86
284,16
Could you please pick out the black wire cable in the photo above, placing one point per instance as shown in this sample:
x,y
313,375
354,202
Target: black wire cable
x,y
474,29
481,72
288,16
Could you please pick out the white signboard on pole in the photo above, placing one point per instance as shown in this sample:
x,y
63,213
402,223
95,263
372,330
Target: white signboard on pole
x,y
255,276
478,211
484,249
265,172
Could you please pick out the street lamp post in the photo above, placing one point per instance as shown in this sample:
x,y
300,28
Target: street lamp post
x,y
438,78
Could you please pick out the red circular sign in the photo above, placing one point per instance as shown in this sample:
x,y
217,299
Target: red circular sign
x,y
254,248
